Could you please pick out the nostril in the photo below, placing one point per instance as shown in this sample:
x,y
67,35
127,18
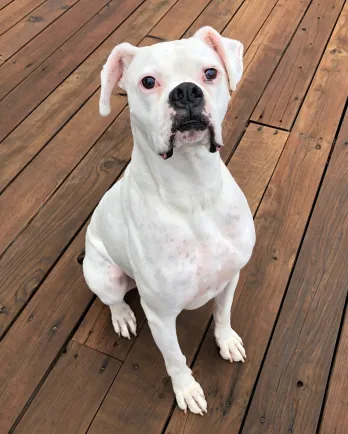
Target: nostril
x,y
177,94
196,92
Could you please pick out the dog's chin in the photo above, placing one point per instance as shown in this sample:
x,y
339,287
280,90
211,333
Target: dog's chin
x,y
190,137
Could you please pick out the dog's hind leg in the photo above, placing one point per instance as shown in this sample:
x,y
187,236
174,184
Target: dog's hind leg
x,y
110,284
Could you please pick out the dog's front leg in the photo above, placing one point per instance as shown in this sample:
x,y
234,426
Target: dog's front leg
x,y
230,344
187,391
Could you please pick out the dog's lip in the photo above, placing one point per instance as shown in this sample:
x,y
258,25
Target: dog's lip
x,y
193,122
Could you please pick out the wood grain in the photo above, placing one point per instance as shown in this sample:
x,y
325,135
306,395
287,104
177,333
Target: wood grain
x,y
280,224
97,331
335,417
260,61
37,50
38,335
26,29
217,15
293,380
4,3
52,72
256,157
178,19
249,20
286,90
15,11
38,248
72,393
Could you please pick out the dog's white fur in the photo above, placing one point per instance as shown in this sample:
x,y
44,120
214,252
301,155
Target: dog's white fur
x,y
180,230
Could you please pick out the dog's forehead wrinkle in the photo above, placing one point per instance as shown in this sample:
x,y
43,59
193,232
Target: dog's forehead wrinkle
x,y
175,56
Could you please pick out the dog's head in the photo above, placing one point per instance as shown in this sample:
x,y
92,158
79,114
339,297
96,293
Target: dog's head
x,y
178,92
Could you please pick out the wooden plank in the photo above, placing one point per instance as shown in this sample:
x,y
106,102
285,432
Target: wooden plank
x,y
260,61
97,332
15,11
217,14
335,417
34,253
248,21
290,391
60,64
131,391
4,3
72,393
64,151
36,51
26,29
38,335
178,19
285,92
280,224
252,166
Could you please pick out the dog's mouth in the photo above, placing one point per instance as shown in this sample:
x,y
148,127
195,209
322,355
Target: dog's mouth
x,y
192,125
191,130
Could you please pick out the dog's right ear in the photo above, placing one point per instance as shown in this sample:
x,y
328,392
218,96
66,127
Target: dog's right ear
x,y
120,58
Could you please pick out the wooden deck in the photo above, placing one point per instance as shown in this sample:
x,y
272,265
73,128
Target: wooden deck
x,y
62,368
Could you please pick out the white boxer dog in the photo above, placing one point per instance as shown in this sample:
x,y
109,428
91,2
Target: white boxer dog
x,y
177,226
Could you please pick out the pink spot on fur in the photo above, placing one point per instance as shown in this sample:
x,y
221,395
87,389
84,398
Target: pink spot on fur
x,y
116,276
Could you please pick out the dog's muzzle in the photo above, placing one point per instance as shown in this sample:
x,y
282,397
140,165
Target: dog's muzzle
x,y
187,100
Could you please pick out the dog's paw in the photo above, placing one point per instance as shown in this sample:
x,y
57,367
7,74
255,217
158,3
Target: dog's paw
x,y
123,319
230,344
189,394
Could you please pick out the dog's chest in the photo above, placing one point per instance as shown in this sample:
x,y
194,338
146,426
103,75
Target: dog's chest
x,y
195,256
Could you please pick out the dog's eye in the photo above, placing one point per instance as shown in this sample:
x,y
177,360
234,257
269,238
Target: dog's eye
x,y
210,74
148,82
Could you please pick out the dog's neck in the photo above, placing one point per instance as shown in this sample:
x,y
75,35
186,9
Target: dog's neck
x,y
190,180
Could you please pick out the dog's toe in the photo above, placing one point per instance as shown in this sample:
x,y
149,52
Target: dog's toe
x,y
123,319
230,344
191,396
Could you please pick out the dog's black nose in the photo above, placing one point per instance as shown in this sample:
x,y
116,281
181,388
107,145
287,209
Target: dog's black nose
x,y
186,95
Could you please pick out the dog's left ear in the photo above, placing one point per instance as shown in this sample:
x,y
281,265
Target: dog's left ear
x,y
119,59
229,50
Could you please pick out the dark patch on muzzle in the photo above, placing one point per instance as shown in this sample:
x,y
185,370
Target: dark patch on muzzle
x,y
201,125
214,147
